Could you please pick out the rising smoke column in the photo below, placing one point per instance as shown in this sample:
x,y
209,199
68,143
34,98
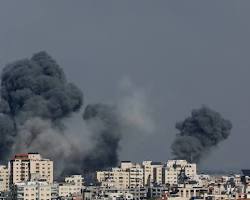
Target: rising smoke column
x,y
104,122
30,89
128,117
7,130
199,133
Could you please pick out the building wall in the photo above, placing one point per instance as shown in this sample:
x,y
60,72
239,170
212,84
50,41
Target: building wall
x,y
26,167
174,167
42,169
122,177
32,191
19,170
116,178
4,178
148,176
74,179
68,190
157,175
136,176
153,172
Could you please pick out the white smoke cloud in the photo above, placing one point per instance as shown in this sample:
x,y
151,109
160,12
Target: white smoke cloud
x,y
134,108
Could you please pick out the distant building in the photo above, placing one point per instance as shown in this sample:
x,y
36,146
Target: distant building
x,y
72,187
116,177
75,180
128,175
136,176
148,173
32,191
153,172
4,178
174,167
31,166
93,192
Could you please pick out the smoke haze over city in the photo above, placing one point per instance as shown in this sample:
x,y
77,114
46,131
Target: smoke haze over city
x,y
132,71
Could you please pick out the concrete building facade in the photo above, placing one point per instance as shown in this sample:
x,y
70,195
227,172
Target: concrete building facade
x,y
4,178
174,167
31,166
32,191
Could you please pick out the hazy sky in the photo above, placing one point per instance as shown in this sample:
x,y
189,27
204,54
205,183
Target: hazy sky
x,y
183,54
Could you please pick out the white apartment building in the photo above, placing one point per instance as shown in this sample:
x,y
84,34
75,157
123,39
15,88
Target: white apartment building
x,y
157,172
75,180
127,175
117,178
32,191
136,176
153,172
71,187
147,176
69,190
31,166
4,178
174,167
120,178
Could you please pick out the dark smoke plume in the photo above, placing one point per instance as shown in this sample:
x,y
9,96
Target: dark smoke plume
x,y
36,98
128,117
105,124
199,133
30,89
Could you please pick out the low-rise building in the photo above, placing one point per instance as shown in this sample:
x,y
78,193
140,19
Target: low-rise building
x,y
72,187
32,191
75,180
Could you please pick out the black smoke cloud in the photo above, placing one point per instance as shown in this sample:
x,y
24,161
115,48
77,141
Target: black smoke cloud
x,y
199,133
33,88
110,124
105,123
38,87
36,99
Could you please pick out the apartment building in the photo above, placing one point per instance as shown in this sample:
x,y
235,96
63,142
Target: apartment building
x,y
32,191
75,180
121,178
153,172
31,166
147,176
4,178
174,167
127,175
136,176
72,187
117,178
157,172
69,190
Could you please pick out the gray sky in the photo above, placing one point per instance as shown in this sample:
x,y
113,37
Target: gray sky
x,y
183,53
